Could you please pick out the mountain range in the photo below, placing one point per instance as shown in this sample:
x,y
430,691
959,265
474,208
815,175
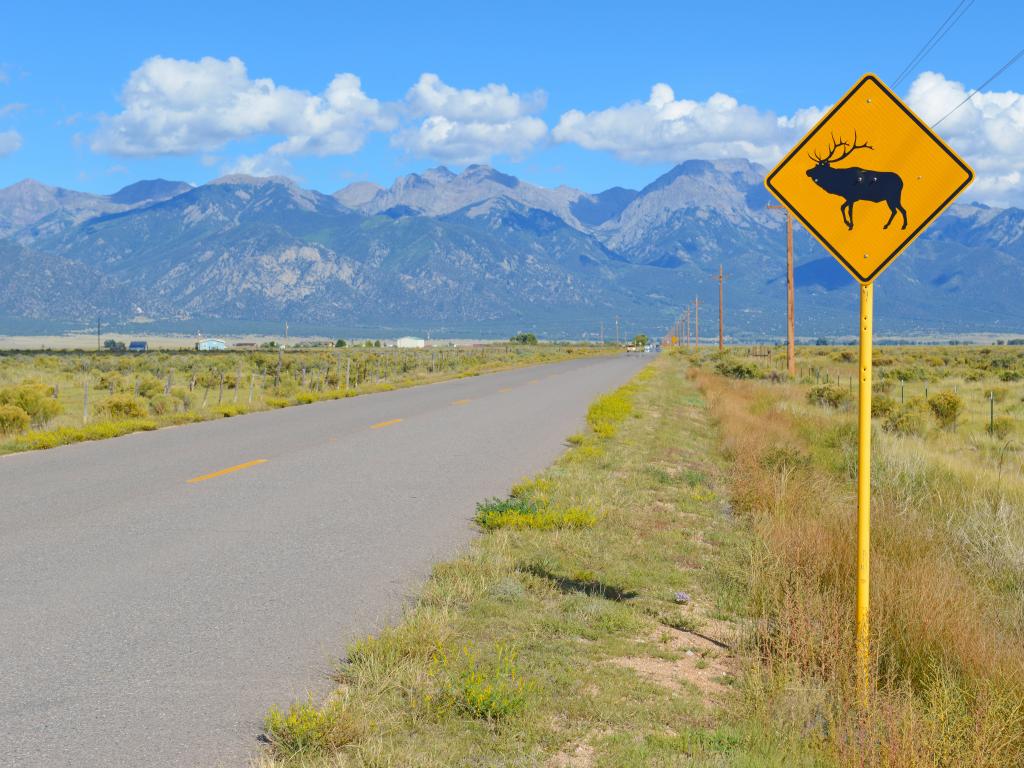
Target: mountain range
x,y
481,253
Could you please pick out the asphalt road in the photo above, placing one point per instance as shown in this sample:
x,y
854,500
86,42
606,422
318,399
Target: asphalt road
x,y
149,620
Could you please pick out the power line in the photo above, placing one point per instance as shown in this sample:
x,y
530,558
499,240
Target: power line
x,y
955,15
998,72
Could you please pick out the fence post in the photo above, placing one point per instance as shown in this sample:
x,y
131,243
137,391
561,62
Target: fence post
x,y
167,386
348,371
901,391
238,382
220,394
85,403
252,385
991,413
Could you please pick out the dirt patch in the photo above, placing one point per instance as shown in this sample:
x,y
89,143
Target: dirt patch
x,y
703,661
574,756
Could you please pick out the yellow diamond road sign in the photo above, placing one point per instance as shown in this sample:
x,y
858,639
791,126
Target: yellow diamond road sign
x,y
868,178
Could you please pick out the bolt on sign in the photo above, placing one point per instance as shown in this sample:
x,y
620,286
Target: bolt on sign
x,y
868,178
865,181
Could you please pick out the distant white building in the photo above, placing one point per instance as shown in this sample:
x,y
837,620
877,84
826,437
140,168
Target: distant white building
x,y
211,345
410,342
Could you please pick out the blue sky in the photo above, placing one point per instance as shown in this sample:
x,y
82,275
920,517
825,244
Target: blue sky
x,y
554,92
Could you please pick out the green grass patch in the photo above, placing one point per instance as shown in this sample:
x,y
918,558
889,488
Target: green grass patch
x,y
516,512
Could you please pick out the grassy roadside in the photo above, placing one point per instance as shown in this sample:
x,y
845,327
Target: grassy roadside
x,y
42,395
562,638
947,581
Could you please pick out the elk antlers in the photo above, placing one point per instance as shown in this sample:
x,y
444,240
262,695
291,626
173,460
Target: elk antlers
x,y
847,150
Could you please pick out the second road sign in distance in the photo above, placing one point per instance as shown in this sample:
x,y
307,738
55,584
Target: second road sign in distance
x,y
868,178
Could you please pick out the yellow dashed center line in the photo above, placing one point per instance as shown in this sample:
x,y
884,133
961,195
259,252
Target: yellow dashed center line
x,y
380,424
535,381
220,472
460,402
505,389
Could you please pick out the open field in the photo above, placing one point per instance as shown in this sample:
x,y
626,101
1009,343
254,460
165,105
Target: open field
x,y
54,398
86,341
678,589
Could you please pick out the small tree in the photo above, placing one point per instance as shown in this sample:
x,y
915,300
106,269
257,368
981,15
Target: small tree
x,y
640,340
524,338
341,343
114,346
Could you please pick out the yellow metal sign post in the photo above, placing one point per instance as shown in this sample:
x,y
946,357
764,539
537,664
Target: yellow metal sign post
x,y
909,176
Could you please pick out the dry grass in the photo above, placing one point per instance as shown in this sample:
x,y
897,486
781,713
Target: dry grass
x,y
946,623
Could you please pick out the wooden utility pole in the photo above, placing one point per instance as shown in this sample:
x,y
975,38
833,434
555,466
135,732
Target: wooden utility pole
x,y
687,334
721,316
616,330
790,322
602,333
696,323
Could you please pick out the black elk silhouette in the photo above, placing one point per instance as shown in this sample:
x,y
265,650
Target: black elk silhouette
x,y
853,184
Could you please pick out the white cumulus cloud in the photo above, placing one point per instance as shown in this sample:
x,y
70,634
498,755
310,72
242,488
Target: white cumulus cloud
x,y
10,141
987,131
177,106
470,125
667,129
259,165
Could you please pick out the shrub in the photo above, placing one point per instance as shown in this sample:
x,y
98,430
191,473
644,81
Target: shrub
x,y
162,404
13,419
306,729
111,380
829,395
183,395
946,407
125,407
150,385
34,399
736,369
907,419
882,406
